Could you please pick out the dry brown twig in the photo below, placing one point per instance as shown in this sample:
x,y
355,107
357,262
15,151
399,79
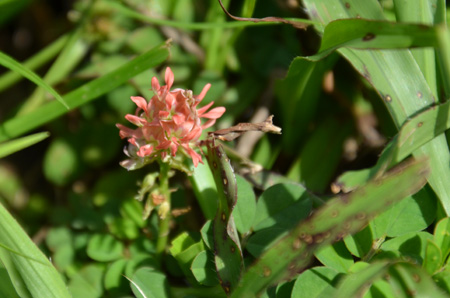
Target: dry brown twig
x,y
231,133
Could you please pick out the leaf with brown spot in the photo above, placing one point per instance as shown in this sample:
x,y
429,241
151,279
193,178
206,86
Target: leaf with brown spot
x,y
370,199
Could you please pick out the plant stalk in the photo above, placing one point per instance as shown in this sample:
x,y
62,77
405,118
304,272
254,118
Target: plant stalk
x,y
163,234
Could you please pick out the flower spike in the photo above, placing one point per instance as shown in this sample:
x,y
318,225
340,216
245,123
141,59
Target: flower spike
x,y
167,124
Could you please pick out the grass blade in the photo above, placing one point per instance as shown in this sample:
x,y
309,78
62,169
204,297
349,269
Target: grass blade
x,y
30,271
34,62
335,220
10,147
404,96
84,94
12,64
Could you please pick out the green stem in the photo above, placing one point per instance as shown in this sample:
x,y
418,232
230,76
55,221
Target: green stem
x,y
193,26
163,234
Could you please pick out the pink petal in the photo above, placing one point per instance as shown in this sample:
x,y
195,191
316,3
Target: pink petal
x,y
196,158
209,123
138,121
126,132
203,93
204,109
132,141
163,114
173,147
193,135
140,102
145,150
155,84
178,119
163,145
214,113
169,77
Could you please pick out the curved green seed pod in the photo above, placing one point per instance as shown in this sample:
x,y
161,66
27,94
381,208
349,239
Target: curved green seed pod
x,y
227,249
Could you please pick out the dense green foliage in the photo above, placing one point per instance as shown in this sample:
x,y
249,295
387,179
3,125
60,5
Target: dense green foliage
x,y
351,200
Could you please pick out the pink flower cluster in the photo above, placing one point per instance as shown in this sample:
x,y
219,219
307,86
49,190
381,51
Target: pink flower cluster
x,y
168,122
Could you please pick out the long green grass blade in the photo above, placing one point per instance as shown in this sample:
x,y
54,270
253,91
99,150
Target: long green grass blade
x,y
10,147
335,220
12,64
404,96
72,53
84,94
420,12
30,271
34,62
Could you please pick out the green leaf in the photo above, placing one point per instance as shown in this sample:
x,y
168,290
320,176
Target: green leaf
x,y
84,94
61,162
264,239
104,248
413,214
12,64
360,243
442,236
245,209
184,249
433,258
335,256
208,234
203,269
142,288
87,282
22,259
336,219
133,210
315,282
7,148
411,245
114,275
442,279
281,205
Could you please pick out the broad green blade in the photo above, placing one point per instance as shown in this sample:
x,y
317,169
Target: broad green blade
x,y
10,147
84,94
396,77
420,11
30,271
227,248
338,218
12,64
415,133
375,34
